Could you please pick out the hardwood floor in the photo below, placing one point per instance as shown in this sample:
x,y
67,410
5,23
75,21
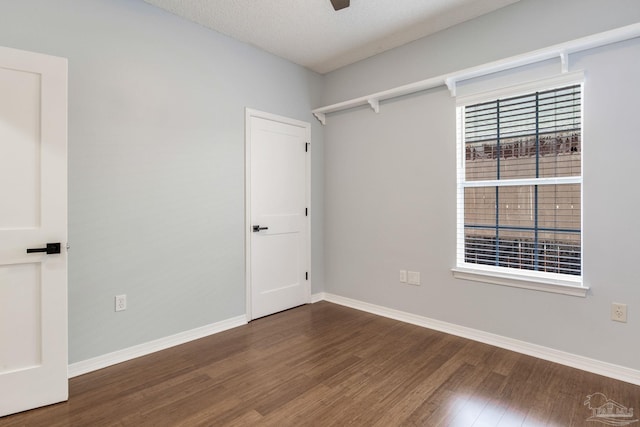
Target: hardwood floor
x,y
323,365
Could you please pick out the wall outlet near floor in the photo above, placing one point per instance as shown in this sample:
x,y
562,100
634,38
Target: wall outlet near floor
x,y
414,278
619,312
121,302
403,276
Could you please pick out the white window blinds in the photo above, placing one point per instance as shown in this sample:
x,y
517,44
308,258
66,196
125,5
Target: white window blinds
x,y
520,183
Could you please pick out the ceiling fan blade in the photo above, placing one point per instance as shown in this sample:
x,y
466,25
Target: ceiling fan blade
x,y
340,4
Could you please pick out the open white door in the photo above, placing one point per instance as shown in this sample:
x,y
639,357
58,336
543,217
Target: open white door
x,y
33,213
278,242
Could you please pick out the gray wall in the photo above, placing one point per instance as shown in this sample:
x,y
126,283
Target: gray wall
x,y
390,183
156,139
156,162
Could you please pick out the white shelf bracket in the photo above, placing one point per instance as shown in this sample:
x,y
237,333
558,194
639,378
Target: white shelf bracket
x,y
451,85
564,58
322,117
375,105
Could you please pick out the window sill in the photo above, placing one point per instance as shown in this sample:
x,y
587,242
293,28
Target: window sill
x,y
520,281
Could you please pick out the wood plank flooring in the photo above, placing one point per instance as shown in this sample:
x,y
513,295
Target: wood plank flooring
x,y
328,365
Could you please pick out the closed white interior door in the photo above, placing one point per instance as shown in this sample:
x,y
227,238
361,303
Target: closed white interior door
x,y
277,221
33,213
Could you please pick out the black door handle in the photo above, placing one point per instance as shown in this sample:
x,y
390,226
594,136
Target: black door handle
x,y
257,228
52,248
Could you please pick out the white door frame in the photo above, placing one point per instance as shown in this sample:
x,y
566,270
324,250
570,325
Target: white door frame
x,y
249,113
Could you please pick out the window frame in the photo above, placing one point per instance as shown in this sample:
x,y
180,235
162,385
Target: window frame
x,y
521,278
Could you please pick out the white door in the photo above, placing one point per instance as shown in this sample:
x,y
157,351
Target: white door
x,y
33,213
277,198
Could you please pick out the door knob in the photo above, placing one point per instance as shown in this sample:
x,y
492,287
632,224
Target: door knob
x,y
257,228
52,248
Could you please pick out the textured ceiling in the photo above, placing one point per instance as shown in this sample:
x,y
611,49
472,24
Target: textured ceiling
x,y
312,34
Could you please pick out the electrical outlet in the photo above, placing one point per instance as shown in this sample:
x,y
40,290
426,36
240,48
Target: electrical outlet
x,y
414,278
403,276
121,302
619,312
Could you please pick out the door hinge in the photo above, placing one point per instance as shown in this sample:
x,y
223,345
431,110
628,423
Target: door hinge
x,y
306,275
306,211
306,147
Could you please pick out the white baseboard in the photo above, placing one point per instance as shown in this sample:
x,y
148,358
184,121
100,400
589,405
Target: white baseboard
x,y
89,365
320,296
575,361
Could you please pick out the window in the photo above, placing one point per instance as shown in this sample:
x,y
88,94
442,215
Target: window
x,y
520,187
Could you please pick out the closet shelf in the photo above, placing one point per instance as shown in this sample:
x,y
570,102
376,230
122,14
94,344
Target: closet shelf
x,y
561,51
